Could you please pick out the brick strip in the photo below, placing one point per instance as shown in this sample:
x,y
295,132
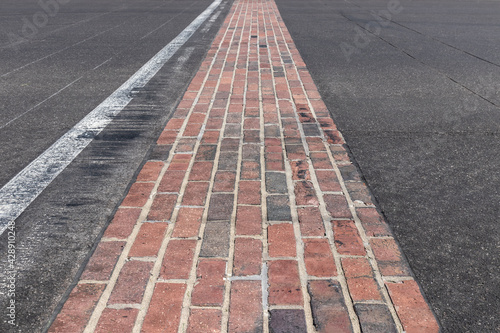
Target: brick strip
x,y
249,215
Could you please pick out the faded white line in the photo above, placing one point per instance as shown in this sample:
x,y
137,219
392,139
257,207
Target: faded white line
x,y
21,190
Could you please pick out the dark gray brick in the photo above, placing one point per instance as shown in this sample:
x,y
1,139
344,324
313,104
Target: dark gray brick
x,y
311,129
375,318
276,182
278,208
228,161
221,207
287,321
216,239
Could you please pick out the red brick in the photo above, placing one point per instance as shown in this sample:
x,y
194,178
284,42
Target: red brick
x,y
178,259
131,283
78,308
138,195
356,267
347,239
247,256
162,207
201,171
103,261
188,222
339,153
411,307
363,289
164,309
185,145
328,181
114,320
389,257
123,223
171,181
148,240
192,129
328,307
205,320
210,137
318,258
373,222
310,221
281,240
224,181
321,161
209,286
284,283
315,144
150,171
248,220
195,194
300,170
249,192
252,123
337,206
245,309
305,195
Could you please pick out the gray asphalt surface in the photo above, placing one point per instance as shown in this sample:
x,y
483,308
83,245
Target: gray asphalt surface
x,y
97,45
418,100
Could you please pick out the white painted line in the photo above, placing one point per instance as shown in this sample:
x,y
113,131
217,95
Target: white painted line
x,y
21,190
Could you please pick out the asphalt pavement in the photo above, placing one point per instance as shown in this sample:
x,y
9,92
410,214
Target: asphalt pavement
x,y
414,86
57,64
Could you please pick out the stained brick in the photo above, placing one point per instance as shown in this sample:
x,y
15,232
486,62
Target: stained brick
x,y
206,153
359,192
318,258
164,310
328,307
337,206
350,173
328,181
131,283
389,257
321,161
209,286
305,194
372,222
347,239
245,309
284,283
300,170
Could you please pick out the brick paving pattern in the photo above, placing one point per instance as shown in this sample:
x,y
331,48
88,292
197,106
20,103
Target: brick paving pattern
x,y
249,216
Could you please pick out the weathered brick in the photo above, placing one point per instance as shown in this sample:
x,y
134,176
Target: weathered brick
x,y
164,310
305,195
411,307
103,261
228,161
328,307
250,170
318,257
78,308
205,320
284,283
162,207
224,181
209,286
123,223
185,145
131,283
138,195
359,192
300,170
350,173
321,161
206,152
195,194
216,239
180,162
116,320
248,220
347,239
247,256
148,240
337,206
281,240
375,318
245,307
295,152
278,208
276,182
287,321
201,171
188,222
251,152
178,259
